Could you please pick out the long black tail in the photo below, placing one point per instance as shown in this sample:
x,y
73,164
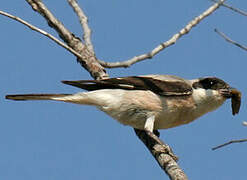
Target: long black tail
x,y
24,97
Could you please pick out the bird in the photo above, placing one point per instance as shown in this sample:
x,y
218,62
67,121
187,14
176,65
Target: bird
x,y
149,102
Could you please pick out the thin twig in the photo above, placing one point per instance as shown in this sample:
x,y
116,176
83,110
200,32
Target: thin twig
x,y
229,40
233,8
230,142
18,19
166,44
84,23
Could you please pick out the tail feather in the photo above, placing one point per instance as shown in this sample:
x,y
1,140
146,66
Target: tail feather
x,y
78,98
23,97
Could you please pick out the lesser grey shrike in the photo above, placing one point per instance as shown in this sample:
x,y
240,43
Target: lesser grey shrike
x,y
149,102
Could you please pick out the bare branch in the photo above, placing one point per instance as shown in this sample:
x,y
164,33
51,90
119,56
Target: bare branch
x,y
163,154
63,32
84,23
88,59
229,40
166,159
166,44
233,8
230,142
41,32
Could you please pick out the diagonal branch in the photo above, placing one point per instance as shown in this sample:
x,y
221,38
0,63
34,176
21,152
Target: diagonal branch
x,y
230,41
41,32
162,154
166,44
88,60
230,142
84,23
233,8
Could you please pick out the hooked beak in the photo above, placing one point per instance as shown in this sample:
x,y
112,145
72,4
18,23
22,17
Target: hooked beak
x,y
235,96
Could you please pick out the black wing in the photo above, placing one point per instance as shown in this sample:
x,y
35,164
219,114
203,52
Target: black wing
x,y
163,85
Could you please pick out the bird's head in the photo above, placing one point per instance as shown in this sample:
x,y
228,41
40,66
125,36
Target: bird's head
x,y
212,92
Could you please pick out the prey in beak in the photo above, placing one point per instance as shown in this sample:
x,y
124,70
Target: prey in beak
x,y
236,100
235,96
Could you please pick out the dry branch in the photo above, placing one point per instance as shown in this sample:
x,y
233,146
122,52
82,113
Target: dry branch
x,y
84,23
229,40
233,8
41,32
88,60
230,142
162,154
166,44
66,36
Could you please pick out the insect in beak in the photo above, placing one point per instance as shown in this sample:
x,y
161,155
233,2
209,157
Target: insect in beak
x,y
236,100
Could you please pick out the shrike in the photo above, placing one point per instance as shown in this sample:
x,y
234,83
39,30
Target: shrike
x,y
149,102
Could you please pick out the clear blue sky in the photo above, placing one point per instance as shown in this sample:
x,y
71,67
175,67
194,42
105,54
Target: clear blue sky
x,y
58,141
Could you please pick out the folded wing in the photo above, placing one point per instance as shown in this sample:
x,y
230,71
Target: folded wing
x,y
163,85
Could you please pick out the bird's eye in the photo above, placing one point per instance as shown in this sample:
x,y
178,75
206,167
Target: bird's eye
x,y
211,83
208,84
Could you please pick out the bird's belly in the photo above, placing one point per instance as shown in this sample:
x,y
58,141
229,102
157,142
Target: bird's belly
x,y
163,120
178,111
173,112
132,116
173,119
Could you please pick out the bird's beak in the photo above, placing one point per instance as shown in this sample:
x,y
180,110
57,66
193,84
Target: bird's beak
x,y
235,96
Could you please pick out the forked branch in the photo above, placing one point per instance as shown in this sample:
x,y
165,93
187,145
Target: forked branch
x,y
84,23
86,56
88,60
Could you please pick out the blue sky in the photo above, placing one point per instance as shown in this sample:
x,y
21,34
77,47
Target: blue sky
x,y
50,140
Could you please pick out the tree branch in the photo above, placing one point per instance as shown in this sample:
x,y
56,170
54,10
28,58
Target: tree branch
x,y
233,8
166,44
86,56
32,27
88,60
229,40
84,23
230,142
163,154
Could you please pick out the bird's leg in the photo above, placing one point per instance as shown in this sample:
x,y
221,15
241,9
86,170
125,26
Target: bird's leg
x,y
154,135
149,124
161,147
154,144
